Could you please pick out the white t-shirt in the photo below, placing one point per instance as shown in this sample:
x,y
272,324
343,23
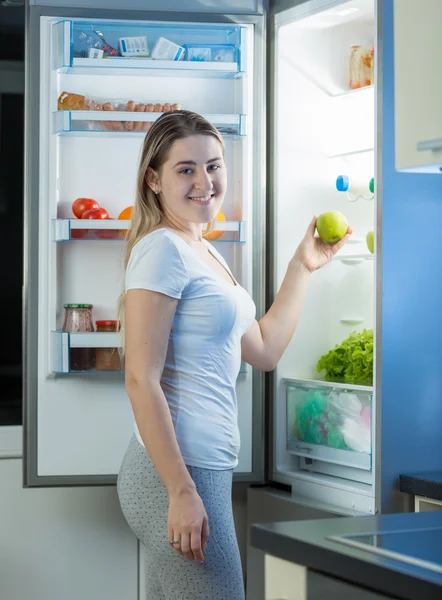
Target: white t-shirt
x,y
204,352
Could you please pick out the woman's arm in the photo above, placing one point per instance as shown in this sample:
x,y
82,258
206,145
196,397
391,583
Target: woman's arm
x,y
148,321
264,343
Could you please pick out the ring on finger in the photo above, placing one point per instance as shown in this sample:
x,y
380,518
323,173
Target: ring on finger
x,y
175,542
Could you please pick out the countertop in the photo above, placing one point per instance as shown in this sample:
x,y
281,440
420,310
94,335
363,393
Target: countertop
x,y
428,484
308,543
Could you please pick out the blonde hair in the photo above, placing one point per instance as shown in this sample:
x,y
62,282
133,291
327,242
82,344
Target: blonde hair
x,y
148,210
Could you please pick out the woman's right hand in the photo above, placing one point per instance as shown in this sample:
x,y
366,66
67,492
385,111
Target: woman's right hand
x,y
188,523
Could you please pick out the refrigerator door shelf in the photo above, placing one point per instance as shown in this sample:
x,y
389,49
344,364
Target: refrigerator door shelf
x,y
328,425
67,122
157,68
65,230
62,342
72,41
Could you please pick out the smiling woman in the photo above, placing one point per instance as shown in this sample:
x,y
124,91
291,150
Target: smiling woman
x,y
188,324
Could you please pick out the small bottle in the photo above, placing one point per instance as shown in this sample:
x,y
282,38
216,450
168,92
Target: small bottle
x,y
355,189
107,359
78,318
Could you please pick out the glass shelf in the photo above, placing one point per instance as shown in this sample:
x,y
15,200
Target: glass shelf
x,y
352,154
329,425
117,123
367,90
328,384
64,344
353,259
72,40
66,230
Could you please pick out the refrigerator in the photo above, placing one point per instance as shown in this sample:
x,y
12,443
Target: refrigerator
x,y
277,86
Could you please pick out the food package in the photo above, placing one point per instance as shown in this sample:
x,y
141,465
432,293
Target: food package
x,y
361,66
68,101
166,50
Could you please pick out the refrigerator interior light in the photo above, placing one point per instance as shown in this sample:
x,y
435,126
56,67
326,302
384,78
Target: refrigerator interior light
x,y
347,11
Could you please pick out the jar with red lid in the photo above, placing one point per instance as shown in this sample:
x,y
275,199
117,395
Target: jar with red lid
x,y
78,318
107,359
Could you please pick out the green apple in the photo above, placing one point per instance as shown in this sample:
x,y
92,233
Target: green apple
x,y
331,226
370,241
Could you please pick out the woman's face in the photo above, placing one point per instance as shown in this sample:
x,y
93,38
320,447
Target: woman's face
x,y
193,180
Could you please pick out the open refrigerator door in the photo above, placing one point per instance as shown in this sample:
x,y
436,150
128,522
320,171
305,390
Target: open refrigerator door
x,y
324,160
102,83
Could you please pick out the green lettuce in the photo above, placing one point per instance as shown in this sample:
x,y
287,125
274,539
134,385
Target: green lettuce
x,y
351,361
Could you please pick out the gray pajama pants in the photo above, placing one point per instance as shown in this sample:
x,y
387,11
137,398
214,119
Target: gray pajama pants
x,y
170,576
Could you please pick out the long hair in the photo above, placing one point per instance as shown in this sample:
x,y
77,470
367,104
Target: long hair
x,y
148,209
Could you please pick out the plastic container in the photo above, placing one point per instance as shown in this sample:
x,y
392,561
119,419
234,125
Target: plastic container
x,y
167,50
133,46
78,318
361,66
355,188
211,52
335,419
107,359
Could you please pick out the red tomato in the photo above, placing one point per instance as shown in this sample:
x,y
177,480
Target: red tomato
x,y
81,205
95,213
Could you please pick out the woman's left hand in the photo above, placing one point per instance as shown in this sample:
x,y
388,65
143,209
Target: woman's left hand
x,y
313,253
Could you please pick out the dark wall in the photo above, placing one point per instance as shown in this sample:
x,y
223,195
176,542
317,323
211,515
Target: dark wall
x,y
11,214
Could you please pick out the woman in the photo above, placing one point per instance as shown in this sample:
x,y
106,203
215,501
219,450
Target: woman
x,y
187,325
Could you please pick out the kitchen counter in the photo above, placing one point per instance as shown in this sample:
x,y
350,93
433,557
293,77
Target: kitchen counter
x,y
341,548
427,485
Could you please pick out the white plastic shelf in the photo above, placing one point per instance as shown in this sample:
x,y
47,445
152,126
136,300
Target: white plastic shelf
x,y
353,259
67,122
65,230
156,68
63,342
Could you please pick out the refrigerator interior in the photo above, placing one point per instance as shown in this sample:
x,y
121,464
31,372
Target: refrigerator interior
x,y
84,418
323,431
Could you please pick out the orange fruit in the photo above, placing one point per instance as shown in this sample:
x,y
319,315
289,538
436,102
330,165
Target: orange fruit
x,y
214,235
125,215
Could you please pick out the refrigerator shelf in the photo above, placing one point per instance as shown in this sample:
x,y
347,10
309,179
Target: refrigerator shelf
x,y
73,39
352,154
63,342
154,68
329,425
363,92
65,230
328,384
67,122
353,259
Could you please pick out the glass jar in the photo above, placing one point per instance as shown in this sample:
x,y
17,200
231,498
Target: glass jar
x,y
78,318
107,359
361,66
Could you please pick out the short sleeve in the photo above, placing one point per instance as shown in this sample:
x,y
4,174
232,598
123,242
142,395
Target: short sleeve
x,y
156,264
